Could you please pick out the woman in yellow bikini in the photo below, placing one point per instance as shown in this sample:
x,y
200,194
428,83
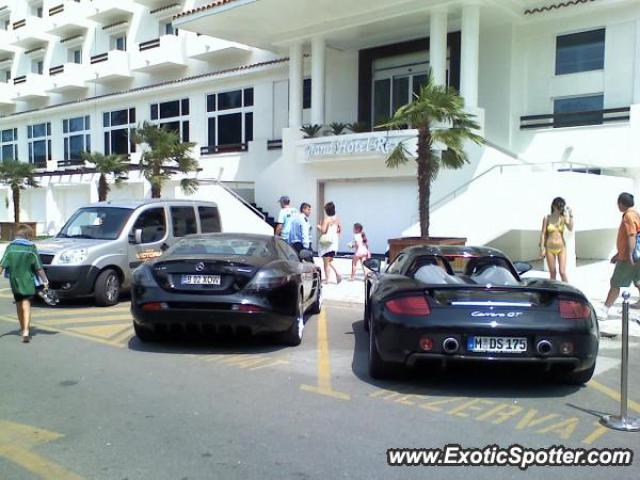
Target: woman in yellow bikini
x,y
552,245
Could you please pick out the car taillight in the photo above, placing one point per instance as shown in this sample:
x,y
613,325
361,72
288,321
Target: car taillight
x,y
154,306
414,306
573,310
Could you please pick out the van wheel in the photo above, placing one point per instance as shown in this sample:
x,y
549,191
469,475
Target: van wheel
x,y
106,290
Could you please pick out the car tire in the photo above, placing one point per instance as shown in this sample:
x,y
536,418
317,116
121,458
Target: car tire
x,y
293,336
106,290
378,368
144,334
316,306
577,378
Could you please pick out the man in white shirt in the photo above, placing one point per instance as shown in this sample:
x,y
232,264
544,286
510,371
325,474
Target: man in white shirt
x,y
286,215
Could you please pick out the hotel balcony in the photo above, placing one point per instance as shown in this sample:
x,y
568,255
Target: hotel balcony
x,y
110,11
157,3
166,52
207,48
68,77
31,86
6,94
67,18
29,33
6,38
110,66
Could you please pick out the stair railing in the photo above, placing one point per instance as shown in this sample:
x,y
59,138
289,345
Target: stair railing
x,y
455,192
216,181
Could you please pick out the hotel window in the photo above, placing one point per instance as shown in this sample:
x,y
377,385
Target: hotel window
x,y
584,110
36,10
76,136
306,93
173,115
119,42
37,66
9,144
119,127
39,141
167,28
4,24
5,76
75,55
230,118
580,52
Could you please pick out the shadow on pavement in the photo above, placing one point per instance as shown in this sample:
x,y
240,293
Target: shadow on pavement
x,y
462,379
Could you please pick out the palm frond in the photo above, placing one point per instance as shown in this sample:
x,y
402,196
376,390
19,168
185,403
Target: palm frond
x,y
398,156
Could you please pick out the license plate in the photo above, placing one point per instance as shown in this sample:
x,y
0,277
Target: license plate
x,y
200,280
497,344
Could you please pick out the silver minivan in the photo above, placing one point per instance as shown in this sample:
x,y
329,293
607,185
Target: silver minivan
x,y
96,250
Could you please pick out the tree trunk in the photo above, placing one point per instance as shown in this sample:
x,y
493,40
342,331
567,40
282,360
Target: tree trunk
x,y
425,167
155,187
16,204
103,188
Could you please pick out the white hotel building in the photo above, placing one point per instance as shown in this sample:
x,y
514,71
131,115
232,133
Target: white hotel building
x,y
555,85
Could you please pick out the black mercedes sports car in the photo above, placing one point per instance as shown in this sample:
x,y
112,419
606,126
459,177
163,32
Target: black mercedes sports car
x,y
226,283
455,303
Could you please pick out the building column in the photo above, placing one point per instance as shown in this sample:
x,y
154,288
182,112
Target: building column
x,y
295,85
469,54
438,46
636,88
318,67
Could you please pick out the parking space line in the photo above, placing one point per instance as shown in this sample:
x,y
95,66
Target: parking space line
x,y
324,364
69,321
611,393
15,441
59,312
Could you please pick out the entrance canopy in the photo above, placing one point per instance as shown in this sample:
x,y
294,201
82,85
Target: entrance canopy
x,y
273,24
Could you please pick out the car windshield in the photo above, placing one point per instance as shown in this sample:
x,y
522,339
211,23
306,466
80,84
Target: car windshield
x,y
96,223
223,246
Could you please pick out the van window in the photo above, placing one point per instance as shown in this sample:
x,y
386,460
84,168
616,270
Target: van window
x,y
153,224
184,221
209,219
98,223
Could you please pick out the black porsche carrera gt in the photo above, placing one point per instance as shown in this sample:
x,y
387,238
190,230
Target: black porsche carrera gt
x,y
455,303
226,283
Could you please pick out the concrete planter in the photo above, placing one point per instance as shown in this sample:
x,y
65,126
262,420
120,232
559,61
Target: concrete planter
x,y
8,229
396,245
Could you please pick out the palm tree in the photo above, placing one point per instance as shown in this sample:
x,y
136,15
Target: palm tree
x,y
165,157
115,165
434,105
17,176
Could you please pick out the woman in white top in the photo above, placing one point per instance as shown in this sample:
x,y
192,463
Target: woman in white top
x,y
330,230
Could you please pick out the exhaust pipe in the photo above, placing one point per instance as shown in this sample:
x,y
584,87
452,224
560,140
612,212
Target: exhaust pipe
x,y
543,347
450,345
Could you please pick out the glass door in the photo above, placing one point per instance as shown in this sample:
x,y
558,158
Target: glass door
x,y
395,87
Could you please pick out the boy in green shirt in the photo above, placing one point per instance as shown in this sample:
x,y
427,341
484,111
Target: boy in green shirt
x,y
22,262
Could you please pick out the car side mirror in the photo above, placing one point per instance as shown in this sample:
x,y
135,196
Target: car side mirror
x,y
522,267
135,237
305,255
372,264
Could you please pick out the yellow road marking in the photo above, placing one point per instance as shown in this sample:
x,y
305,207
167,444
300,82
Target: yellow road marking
x,y
101,331
92,312
125,335
15,441
324,364
614,394
69,321
67,332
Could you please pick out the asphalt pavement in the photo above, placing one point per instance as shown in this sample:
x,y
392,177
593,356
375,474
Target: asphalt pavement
x,y
86,399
